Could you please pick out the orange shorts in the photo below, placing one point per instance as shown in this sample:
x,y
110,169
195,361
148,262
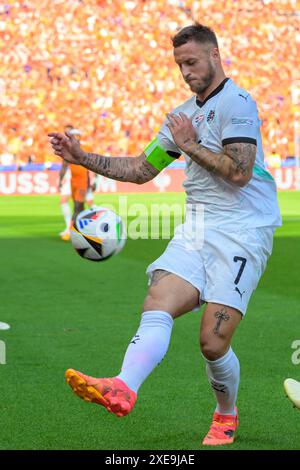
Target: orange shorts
x,y
79,182
79,193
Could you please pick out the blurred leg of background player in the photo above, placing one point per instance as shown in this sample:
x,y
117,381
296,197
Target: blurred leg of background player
x,y
92,187
65,196
78,195
79,187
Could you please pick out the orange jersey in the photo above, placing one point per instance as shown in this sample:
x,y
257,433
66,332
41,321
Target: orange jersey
x,y
79,175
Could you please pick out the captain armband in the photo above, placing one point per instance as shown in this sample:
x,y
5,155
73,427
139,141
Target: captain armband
x,y
157,156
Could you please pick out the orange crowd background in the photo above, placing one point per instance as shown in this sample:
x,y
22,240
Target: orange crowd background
x,y
106,67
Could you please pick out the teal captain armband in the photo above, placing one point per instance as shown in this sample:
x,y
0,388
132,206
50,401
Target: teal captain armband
x,y
157,156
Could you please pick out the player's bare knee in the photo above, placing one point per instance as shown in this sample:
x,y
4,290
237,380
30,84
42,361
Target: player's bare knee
x,y
149,303
154,301
213,348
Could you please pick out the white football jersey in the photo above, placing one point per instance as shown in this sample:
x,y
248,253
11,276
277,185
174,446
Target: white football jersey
x,y
228,115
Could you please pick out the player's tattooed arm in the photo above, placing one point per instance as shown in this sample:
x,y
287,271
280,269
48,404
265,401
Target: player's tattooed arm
x,y
234,164
243,156
130,169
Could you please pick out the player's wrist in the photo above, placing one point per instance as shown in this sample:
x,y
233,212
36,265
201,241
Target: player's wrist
x,y
189,146
83,157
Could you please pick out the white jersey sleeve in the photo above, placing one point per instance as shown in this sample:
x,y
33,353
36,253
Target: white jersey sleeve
x,y
239,119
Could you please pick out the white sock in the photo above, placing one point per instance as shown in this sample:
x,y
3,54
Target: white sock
x,y
147,348
67,213
224,376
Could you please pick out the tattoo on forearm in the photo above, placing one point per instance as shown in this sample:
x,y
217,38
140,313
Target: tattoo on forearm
x,y
243,156
130,169
221,315
236,159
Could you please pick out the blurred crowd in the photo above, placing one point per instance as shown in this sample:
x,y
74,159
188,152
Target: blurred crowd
x,y
106,67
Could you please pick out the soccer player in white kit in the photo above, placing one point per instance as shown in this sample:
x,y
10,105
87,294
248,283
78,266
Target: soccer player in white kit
x,y
218,132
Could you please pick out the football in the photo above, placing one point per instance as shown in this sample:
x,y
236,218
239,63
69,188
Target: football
x,y
98,233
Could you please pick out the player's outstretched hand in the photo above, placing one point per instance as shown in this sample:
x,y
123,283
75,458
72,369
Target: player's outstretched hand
x,y
67,147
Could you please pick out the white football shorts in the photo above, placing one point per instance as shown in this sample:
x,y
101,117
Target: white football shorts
x,y
225,267
65,189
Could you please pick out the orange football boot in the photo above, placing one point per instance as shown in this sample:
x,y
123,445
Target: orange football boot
x,y
222,430
65,235
112,393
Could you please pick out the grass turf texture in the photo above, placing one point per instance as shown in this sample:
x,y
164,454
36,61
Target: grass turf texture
x,y
68,312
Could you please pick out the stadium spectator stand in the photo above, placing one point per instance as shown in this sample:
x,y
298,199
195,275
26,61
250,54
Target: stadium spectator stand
x,y
107,67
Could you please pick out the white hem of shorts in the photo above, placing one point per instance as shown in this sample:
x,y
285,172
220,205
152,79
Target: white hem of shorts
x,y
226,304
172,272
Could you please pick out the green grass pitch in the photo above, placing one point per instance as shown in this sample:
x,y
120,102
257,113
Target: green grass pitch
x,y
67,312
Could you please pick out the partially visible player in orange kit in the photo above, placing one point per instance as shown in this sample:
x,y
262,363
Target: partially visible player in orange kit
x,y
79,183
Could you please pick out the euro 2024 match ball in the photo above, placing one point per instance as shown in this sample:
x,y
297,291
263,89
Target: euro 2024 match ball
x,y
98,233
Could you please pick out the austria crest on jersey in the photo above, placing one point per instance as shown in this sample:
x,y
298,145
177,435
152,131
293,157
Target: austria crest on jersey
x,y
98,233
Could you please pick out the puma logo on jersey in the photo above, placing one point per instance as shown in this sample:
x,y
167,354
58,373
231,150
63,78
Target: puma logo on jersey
x,y
239,292
245,97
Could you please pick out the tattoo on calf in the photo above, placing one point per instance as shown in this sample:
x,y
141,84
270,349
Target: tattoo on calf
x,y
221,315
